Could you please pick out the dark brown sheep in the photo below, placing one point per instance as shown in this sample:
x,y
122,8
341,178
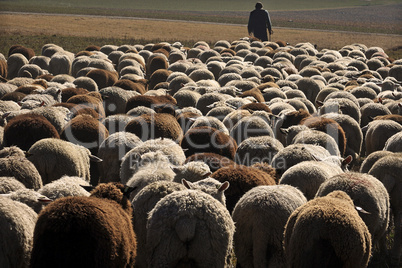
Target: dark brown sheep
x,y
89,132
25,129
103,78
214,161
157,77
295,118
26,89
394,117
91,100
206,139
149,101
93,231
241,179
186,120
67,93
139,86
153,126
27,52
156,63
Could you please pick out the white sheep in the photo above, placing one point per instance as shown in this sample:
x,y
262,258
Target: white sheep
x,y
17,223
189,228
65,186
192,171
260,217
308,176
10,184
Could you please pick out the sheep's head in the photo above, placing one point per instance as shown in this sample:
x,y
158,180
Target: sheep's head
x,y
210,186
114,191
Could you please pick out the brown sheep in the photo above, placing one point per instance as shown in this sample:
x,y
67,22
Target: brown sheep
x,y
156,63
157,77
241,179
25,129
329,126
327,232
149,101
27,52
153,126
255,106
207,139
255,92
91,100
67,93
103,78
3,68
94,231
140,86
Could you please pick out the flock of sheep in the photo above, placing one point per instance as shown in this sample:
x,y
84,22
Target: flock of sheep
x,y
246,153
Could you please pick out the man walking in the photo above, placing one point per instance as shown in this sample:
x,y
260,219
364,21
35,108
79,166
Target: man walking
x,y
258,23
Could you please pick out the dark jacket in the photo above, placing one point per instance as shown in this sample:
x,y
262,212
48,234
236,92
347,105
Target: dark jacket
x,y
258,23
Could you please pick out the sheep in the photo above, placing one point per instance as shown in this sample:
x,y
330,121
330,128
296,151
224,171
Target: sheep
x,y
153,126
86,131
257,149
260,217
388,170
199,221
208,139
60,63
214,161
371,159
57,116
116,123
344,106
86,83
394,143
174,153
186,98
30,70
372,110
251,126
307,176
310,88
65,186
115,99
241,179
296,153
192,171
378,133
112,150
368,193
54,158
353,133
318,138
210,121
103,78
14,63
17,222
86,231
143,203
30,197
325,232
91,100
13,163
10,184
204,102
149,101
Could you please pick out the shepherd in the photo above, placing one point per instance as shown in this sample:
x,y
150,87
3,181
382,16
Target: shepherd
x,y
259,22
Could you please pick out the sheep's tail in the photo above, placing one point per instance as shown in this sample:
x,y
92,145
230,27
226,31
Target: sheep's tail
x,y
185,229
321,254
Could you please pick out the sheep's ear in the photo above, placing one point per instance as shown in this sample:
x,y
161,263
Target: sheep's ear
x,y
371,118
5,115
319,103
95,159
207,174
284,131
176,169
186,183
361,210
192,119
44,199
127,190
347,160
88,188
224,186
28,154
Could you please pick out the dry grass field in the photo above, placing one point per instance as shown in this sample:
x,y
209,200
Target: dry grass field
x,y
13,26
